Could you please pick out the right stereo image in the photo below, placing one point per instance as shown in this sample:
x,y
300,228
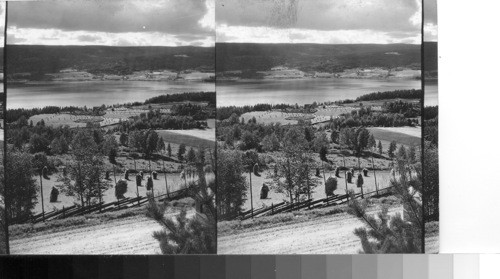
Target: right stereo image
x,y
319,127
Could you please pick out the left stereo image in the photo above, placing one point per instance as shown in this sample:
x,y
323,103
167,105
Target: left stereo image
x,y
110,141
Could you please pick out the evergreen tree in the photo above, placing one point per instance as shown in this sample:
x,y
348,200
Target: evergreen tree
x,y
160,146
169,150
151,143
63,144
412,154
371,142
231,184
22,191
195,235
394,234
123,139
380,150
181,151
392,148
191,156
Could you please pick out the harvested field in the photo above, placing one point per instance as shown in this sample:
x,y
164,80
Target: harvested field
x,y
193,138
383,179
408,136
410,131
329,234
174,183
276,116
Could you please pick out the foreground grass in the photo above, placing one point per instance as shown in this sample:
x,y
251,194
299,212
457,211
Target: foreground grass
x,y
53,226
259,223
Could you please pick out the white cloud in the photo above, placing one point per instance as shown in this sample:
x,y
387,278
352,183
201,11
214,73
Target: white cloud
x,y
245,34
34,36
430,32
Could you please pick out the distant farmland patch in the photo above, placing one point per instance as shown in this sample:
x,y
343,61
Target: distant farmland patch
x,y
401,135
194,138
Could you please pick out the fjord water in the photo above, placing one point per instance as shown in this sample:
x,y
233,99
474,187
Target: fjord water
x,y
95,93
303,91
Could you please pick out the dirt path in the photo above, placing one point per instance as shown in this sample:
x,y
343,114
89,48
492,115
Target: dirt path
x,y
324,235
127,236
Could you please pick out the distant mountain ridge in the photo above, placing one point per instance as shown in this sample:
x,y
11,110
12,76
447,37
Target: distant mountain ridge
x,y
430,56
40,60
315,57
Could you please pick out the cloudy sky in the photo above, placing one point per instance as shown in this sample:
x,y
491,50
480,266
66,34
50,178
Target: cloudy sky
x,y
319,21
2,19
430,20
112,22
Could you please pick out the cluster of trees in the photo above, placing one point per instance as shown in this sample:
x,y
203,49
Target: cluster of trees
x,y
209,97
18,117
155,120
40,137
407,109
227,112
49,140
198,112
145,141
271,137
84,176
377,119
396,94
357,139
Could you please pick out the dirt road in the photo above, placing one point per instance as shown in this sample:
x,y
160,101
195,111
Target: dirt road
x,y
126,236
323,235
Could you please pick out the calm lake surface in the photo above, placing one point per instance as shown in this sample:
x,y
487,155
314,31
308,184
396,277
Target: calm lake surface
x,y
96,93
303,91
431,93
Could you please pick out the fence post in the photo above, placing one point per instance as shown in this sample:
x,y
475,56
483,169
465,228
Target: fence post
x,y
272,208
374,175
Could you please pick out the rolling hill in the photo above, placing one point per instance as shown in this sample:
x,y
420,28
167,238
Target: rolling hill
x,y
39,60
314,57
